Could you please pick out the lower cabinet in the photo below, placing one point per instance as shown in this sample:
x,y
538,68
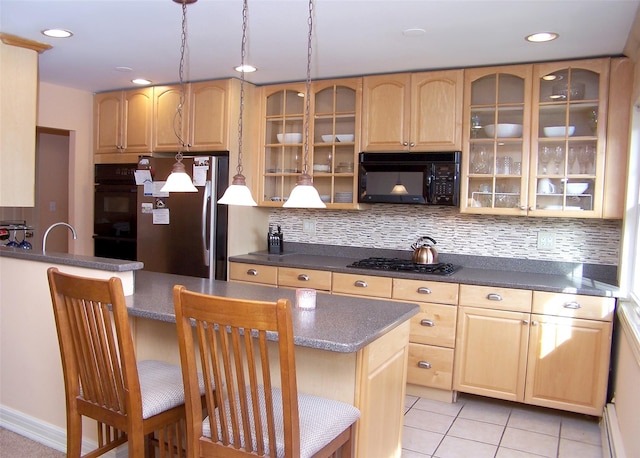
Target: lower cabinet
x,y
253,273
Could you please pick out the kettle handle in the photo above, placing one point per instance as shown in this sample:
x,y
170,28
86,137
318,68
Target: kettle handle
x,y
421,239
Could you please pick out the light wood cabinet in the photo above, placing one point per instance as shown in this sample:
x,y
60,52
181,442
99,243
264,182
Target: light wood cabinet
x,y
253,273
304,278
413,111
18,105
205,116
547,139
547,349
122,125
362,285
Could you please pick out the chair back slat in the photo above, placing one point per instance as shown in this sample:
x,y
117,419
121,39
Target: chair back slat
x,y
232,340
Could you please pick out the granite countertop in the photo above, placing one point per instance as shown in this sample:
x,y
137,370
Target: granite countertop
x,y
90,262
339,323
522,274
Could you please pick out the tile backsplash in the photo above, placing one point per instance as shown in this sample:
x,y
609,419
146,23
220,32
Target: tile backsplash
x,y
396,227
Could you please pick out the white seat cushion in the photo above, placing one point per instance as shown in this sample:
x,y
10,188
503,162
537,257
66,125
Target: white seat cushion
x,y
321,420
161,387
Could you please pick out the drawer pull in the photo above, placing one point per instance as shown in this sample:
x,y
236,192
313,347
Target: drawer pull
x,y
428,323
494,297
534,323
424,365
525,321
360,283
252,272
303,277
424,290
572,305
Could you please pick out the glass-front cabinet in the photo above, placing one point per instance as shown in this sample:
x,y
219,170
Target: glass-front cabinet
x,y
333,137
569,122
496,125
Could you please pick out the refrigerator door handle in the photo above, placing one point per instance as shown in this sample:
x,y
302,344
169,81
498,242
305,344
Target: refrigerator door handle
x,y
206,198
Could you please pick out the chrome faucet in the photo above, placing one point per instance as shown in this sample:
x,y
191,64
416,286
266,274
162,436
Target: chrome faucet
x,y
46,233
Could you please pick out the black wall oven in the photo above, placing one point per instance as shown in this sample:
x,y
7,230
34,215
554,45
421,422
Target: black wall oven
x,y
115,205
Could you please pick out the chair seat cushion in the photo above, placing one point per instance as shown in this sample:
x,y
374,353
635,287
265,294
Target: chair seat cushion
x,y
321,420
161,387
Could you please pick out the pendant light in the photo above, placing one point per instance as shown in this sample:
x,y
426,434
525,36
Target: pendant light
x,y
179,180
304,195
238,193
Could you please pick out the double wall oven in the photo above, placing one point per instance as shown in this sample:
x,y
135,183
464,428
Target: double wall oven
x,y
115,205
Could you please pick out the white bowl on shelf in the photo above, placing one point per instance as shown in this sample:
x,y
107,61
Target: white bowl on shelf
x,y
503,130
558,131
345,138
575,189
328,138
289,138
321,168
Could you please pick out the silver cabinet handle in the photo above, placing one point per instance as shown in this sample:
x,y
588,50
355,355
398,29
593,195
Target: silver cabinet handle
x,y
572,305
405,143
412,144
494,297
534,323
525,321
360,283
252,272
303,277
424,290
424,365
428,323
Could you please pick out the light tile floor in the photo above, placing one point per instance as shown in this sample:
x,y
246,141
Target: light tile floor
x,y
478,427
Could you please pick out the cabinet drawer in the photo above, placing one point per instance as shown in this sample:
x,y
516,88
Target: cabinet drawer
x,y
362,285
254,273
430,366
425,291
304,278
435,324
574,305
517,300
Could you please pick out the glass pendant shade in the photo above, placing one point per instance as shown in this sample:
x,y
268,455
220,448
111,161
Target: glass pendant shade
x,y
178,180
238,193
304,195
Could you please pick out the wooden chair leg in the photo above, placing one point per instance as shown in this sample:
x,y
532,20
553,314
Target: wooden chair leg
x,y
74,435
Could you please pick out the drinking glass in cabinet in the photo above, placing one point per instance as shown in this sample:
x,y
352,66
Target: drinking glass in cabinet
x,y
481,161
558,158
544,156
586,157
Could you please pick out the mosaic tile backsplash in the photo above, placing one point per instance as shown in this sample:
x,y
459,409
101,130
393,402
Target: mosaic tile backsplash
x,y
396,227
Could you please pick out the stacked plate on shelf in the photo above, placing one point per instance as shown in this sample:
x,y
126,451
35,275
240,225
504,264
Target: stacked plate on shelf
x,y
343,197
344,167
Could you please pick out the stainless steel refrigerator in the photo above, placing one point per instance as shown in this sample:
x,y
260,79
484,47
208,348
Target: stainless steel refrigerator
x,y
184,233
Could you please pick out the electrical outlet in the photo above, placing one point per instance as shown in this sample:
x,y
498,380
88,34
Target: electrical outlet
x,y
309,226
546,240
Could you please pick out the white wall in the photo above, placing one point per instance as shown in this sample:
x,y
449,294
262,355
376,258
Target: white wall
x,y
69,109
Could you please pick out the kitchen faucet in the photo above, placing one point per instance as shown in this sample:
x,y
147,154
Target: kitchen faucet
x,y
46,233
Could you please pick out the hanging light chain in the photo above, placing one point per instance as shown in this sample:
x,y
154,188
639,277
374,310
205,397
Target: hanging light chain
x,y
307,98
243,53
178,119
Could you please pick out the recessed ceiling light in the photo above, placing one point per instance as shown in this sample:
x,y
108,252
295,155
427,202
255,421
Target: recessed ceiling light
x,y
414,32
141,81
541,37
246,67
57,33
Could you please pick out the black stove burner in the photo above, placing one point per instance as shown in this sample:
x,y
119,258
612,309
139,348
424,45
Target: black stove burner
x,y
404,265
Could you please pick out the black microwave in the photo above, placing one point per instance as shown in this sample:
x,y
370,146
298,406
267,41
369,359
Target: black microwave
x,y
409,178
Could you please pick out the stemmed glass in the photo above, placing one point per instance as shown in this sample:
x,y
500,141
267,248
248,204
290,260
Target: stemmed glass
x,y
25,244
573,155
545,157
12,240
585,158
558,157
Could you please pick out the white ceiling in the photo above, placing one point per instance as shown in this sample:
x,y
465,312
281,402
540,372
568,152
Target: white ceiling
x,y
351,37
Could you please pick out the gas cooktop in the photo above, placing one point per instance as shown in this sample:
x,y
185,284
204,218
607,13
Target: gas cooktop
x,y
404,265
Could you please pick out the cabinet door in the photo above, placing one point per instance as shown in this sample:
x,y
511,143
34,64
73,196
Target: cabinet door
x,y
496,127
436,111
569,128
208,120
166,124
430,366
568,364
386,107
138,117
108,121
491,353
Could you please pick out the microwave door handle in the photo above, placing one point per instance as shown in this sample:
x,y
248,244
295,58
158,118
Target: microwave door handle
x,y
430,186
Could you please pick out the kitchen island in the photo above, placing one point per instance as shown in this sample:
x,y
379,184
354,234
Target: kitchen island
x,y
350,349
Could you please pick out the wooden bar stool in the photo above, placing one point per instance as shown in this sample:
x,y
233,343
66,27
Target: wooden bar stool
x,y
254,417
130,401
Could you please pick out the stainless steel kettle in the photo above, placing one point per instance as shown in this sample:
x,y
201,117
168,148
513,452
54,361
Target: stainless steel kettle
x,y
424,252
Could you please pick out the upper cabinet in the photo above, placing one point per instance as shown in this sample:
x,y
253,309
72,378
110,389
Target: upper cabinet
x,y
18,105
413,111
332,144
204,117
541,139
122,123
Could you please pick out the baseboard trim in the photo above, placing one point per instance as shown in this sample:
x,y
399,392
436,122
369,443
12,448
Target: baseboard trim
x,y
612,446
42,432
